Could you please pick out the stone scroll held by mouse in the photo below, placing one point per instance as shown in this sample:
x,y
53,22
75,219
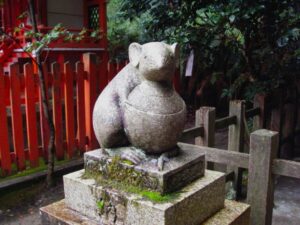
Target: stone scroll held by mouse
x,y
140,107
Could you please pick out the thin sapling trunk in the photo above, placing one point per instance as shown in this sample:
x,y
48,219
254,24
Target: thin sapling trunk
x,y
45,104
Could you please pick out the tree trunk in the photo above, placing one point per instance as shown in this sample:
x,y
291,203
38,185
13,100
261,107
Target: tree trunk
x,y
45,104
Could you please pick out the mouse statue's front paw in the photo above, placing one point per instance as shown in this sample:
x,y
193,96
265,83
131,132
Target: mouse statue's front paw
x,y
161,160
134,156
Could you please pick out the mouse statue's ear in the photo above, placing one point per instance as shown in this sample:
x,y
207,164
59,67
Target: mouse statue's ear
x,y
134,51
175,50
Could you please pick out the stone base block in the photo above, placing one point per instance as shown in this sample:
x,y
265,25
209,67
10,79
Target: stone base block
x,y
194,204
234,213
178,172
58,213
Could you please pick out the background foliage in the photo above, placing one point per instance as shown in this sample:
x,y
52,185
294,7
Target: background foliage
x,y
251,46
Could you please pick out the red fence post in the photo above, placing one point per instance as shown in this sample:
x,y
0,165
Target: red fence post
x,y
111,68
90,90
4,145
31,115
103,71
16,116
80,106
57,110
69,109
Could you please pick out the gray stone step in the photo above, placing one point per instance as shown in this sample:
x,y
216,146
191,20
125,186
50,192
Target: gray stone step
x,y
178,172
234,213
194,204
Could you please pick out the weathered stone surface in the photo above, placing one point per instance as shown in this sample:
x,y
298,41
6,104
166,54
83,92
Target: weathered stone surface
x,y
140,105
195,203
85,196
177,173
234,213
59,214
154,117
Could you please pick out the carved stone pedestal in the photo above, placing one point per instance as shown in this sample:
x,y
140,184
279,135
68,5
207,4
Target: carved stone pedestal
x,y
182,194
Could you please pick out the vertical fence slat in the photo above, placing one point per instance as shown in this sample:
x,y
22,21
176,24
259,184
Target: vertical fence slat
x,y
236,139
80,106
263,149
206,117
57,110
118,67
260,120
4,145
16,116
69,109
31,115
90,93
103,72
111,71
45,132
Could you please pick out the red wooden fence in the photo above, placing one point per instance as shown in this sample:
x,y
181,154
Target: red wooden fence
x,y
71,91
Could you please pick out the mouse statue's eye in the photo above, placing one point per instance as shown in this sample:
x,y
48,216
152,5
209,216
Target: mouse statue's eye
x,y
145,57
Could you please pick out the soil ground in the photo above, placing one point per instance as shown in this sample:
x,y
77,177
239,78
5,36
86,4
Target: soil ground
x,y
19,209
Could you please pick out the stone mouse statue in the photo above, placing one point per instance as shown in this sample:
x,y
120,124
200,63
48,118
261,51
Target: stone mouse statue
x,y
139,106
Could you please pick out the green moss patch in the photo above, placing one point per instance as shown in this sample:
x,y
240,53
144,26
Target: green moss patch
x,y
100,205
42,167
122,171
153,196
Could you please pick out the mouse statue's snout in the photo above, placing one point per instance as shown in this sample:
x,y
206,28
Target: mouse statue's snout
x,y
158,61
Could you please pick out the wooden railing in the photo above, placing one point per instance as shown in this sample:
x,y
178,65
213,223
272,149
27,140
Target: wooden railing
x,y
261,161
24,132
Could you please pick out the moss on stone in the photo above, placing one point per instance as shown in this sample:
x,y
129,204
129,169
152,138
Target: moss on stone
x,y
130,188
127,162
123,171
100,205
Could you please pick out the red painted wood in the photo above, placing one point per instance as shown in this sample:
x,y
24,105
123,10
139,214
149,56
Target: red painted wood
x,y
69,109
111,71
45,133
91,94
31,115
43,11
57,110
103,23
123,64
118,67
16,116
103,71
4,145
80,106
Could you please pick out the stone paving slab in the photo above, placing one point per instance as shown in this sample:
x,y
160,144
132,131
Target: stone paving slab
x,y
195,203
178,172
